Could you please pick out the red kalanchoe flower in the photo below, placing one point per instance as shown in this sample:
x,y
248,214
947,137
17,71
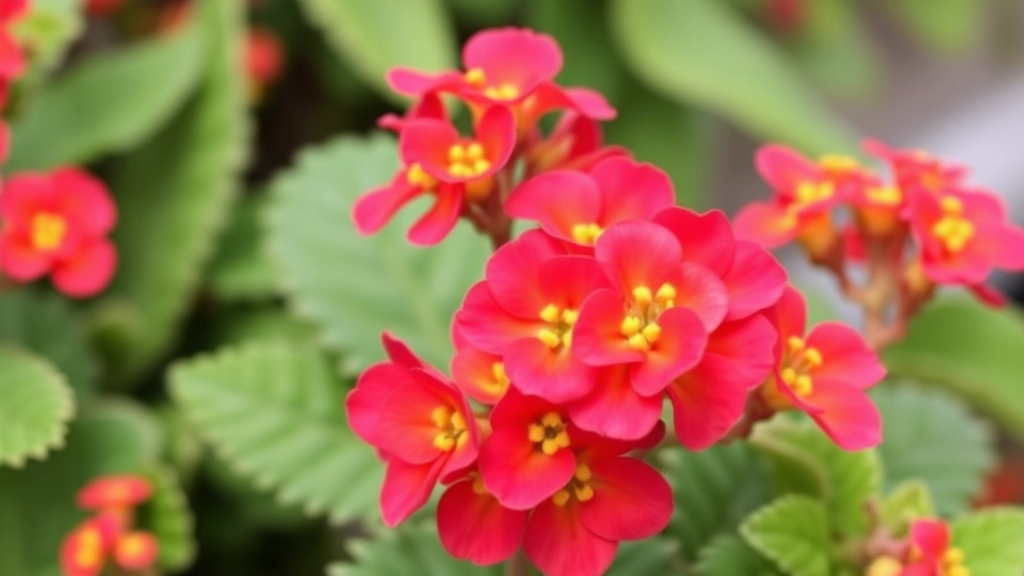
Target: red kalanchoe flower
x,y
84,551
509,66
577,207
917,170
931,552
607,499
136,551
118,492
264,59
474,526
480,375
12,59
429,106
878,207
825,374
57,223
419,422
963,236
525,312
575,143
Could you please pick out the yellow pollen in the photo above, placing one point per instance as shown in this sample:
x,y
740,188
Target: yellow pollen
x,y
549,433
89,551
651,332
550,313
504,91
953,556
643,295
630,325
586,233
552,419
809,192
501,381
666,293
888,195
561,498
584,492
569,316
48,230
583,473
549,337
475,77
475,151
638,342
813,357
953,229
478,485
451,425
838,163
419,177
884,566
795,343
537,433
789,376
951,205
467,160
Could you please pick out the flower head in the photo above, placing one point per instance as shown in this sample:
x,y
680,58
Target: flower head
x,y
917,170
115,492
931,552
84,551
12,59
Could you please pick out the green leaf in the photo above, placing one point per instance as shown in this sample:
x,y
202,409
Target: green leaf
x,y
408,551
945,25
373,36
805,461
354,287
237,324
919,444
991,541
714,490
36,407
833,47
793,532
744,77
276,413
651,557
241,270
47,31
907,502
729,555
46,325
169,518
971,349
173,194
37,504
107,103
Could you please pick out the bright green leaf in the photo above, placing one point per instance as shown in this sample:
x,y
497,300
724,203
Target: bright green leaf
x,y
702,53
374,36
173,194
35,407
354,287
408,551
729,555
804,460
46,325
276,413
930,436
991,540
907,502
973,350
107,103
241,269
169,518
714,490
946,25
793,532
833,47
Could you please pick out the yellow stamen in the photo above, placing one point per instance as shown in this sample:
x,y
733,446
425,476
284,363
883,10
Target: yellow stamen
x,y
501,381
884,566
952,205
476,77
584,492
642,295
813,357
586,233
48,230
419,177
651,332
583,473
638,342
550,313
537,433
456,154
666,293
888,195
795,343
467,160
838,163
809,192
549,337
953,556
89,551
630,325
561,498
569,316
475,151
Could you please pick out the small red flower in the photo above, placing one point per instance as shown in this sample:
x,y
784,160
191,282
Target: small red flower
x,y
931,552
825,374
444,154
917,170
117,492
57,224
575,143
577,207
12,59
480,375
136,551
264,59
474,526
419,422
84,551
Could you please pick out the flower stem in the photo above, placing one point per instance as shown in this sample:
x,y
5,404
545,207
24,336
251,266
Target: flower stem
x,y
518,565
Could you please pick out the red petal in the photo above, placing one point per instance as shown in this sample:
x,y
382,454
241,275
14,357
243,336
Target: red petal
x,y
20,261
496,131
630,190
558,200
406,428
136,551
88,272
636,254
560,545
549,96
519,475
701,291
476,527
931,536
407,488
631,500
784,168
988,295
415,83
597,337
426,142
847,415
678,349
376,208
567,281
614,409
485,324
755,281
400,353
514,274
115,491
790,314
554,375
473,372
85,200
846,356
369,397
440,219
766,223
705,238
514,56
12,60
23,196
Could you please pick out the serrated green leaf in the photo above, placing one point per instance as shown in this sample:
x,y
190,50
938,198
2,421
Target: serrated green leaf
x,y
241,269
92,111
169,518
373,36
904,504
173,193
353,287
729,555
46,325
666,43
35,408
991,540
37,503
973,350
714,490
930,436
408,551
805,461
793,532
946,25
275,412
655,556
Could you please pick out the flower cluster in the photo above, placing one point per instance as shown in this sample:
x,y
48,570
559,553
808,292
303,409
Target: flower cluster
x,y
12,61
581,329
924,226
110,535
927,551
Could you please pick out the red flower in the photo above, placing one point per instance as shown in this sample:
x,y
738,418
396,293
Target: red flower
x,y
116,492
917,170
963,236
577,207
419,422
474,526
136,551
480,375
526,312
658,312
607,498
930,552
576,142
84,551
57,223
508,66
264,58
825,374
12,59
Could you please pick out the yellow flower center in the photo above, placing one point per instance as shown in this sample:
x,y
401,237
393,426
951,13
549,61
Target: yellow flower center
x,y
467,160
800,361
578,487
499,385
586,233
838,163
90,549
884,566
559,329
809,192
477,78
640,325
953,229
888,195
451,428
953,563
549,434
48,230
418,177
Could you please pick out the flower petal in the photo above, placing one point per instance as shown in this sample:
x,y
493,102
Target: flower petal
x,y
784,168
560,545
515,56
559,200
766,223
20,261
614,409
519,475
84,199
426,142
597,336
705,238
407,488
373,210
631,190
416,83
554,375
636,254
88,272
442,217
678,349
846,356
476,527
755,281
631,500
847,415
701,291
485,324
514,273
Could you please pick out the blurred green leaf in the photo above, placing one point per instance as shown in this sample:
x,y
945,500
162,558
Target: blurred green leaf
x,y
231,325
35,408
973,350
907,502
793,531
374,36
918,444
655,556
729,555
944,25
46,325
353,287
107,103
407,551
276,413
251,507
833,47
241,270
173,194
169,518
805,461
483,13
991,540
701,53
714,490
47,31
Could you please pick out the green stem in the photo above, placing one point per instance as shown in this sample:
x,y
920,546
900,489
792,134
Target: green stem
x,y
518,565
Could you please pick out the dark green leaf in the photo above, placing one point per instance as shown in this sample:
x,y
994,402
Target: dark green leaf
x,y
241,269
729,555
408,551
